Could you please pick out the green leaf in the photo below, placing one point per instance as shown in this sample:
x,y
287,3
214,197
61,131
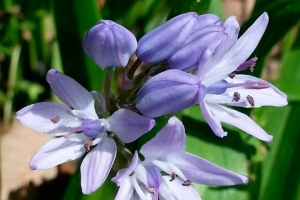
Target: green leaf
x,y
73,18
228,152
283,15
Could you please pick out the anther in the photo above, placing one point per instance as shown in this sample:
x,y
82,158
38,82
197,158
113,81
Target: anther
x,y
150,190
250,99
231,75
236,96
187,183
87,145
55,119
173,176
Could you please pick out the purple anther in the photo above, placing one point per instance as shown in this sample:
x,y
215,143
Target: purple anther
x,y
248,64
236,97
256,85
187,183
250,99
173,176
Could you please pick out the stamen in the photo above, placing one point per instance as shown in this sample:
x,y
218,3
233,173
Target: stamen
x,y
187,183
256,85
173,176
248,64
87,145
55,119
250,99
150,190
231,75
236,96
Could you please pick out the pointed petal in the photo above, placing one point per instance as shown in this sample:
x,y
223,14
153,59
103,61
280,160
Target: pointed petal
x,y
212,120
232,29
96,165
70,92
55,152
263,97
47,117
124,173
175,190
239,52
204,172
204,62
173,134
126,190
239,120
128,125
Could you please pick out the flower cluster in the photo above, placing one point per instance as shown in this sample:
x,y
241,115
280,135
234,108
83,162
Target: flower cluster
x,y
195,60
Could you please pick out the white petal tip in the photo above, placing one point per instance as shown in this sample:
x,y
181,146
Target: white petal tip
x,y
152,124
33,167
268,139
245,180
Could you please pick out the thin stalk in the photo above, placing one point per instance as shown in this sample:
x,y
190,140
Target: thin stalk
x,y
134,67
107,83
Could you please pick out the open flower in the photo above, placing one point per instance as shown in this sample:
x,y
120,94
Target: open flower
x,y
222,86
82,129
109,44
143,179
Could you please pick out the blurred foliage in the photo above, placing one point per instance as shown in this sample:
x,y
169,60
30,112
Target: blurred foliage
x,y
38,35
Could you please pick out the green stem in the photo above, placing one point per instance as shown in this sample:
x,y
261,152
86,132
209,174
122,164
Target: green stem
x,y
107,83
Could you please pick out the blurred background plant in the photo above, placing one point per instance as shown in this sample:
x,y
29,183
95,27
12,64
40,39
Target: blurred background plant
x,y
36,35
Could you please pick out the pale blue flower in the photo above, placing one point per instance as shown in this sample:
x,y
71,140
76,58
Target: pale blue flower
x,y
81,129
165,153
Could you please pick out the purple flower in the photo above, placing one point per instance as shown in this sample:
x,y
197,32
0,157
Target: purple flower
x,y
109,44
222,86
143,179
165,40
81,129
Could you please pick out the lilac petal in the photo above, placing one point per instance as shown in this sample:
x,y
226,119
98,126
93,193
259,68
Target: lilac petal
x,y
109,44
170,190
153,179
212,120
271,96
169,91
166,39
55,152
239,52
124,173
96,165
70,92
204,62
204,172
170,139
128,125
232,29
240,120
47,117
126,190
100,105
183,60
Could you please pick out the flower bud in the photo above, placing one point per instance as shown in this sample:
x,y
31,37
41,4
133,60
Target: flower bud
x,y
165,40
188,57
170,91
109,44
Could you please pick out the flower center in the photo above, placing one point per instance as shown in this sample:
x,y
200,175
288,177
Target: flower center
x,y
91,128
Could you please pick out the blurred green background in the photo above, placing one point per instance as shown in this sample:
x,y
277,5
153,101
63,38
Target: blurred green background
x,y
36,35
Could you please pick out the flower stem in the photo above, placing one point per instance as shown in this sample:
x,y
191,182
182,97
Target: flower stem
x,y
107,83
133,68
